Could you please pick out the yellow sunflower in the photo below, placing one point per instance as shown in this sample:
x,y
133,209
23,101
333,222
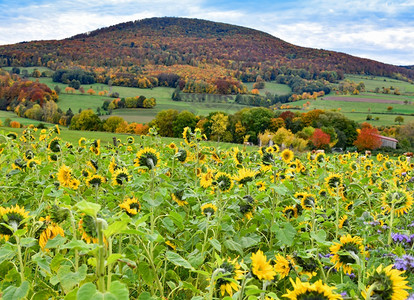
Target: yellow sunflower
x,y
95,180
130,140
262,268
341,250
333,181
261,186
65,175
230,269
245,176
287,155
349,206
32,163
49,231
131,206
387,283
177,197
113,166
147,158
93,164
82,142
343,222
223,181
305,290
172,146
320,157
120,177
96,147
308,201
12,216
54,145
206,179
186,135
237,156
74,184
282,266
208,209
170,245
401,200
290,212
216,157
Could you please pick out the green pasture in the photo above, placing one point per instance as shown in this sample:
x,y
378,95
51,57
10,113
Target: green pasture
x,y
29,69
161,94
380,97
363,107
271,87
141,115
12,116
384,119
372,82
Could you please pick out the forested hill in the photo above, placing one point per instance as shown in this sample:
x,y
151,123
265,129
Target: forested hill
x,y
188,48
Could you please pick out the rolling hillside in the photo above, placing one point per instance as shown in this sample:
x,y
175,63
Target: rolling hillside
x,y
189,48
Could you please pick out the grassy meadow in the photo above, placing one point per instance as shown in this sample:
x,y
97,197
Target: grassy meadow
x,y
271,87
353,108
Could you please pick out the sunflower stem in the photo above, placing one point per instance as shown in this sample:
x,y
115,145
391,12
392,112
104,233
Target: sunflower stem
x,y
391,220
109,266
73,224
243,286
213,277
101,257
204,246
264,287
19,255
337,214
370,290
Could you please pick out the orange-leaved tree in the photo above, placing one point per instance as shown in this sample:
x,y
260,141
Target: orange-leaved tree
x,y
320,139
368,139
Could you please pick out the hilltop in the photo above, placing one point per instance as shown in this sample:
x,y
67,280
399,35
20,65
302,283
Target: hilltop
x,y
189,49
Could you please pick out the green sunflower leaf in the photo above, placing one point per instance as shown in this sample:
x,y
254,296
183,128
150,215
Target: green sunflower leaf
x,y
216,244
285,233
7,252
15,293
88,208
116,227
232,245
178,260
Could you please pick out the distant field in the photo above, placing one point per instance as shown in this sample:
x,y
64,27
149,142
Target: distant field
x,y
355,107
161,94
29,69
271,87
371,82
11,115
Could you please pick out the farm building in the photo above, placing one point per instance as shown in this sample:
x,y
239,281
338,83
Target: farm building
x,y
388,141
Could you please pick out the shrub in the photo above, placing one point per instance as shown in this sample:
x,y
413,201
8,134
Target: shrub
x,y
15,124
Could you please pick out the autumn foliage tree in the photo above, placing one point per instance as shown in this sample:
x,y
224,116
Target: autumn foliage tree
x,y
368,139
320,139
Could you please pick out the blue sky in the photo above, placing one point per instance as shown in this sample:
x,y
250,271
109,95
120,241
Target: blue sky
x,y
375,29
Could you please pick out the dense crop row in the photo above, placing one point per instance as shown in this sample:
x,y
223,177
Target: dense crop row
x,y
146,220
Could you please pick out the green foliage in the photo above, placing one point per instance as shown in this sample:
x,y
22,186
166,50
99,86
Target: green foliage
x,y
183,119
112,123
86,120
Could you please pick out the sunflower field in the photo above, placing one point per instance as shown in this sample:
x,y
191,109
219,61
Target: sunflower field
x,y
144,219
